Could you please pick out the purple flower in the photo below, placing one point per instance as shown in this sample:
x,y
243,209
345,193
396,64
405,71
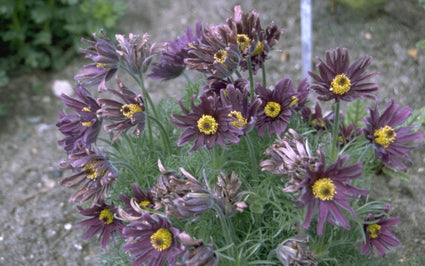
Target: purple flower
x,y
274,112
207,124
295,251
300,97
317,120
144,199
329,188
338,80
92,171
226,194
348,133
102,221
378,235
217,54
152,240
171,63
81,128
103,53
136,52
389,139
253,41
128,114
196,252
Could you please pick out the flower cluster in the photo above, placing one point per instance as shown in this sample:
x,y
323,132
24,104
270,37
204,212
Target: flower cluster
x,y
324,160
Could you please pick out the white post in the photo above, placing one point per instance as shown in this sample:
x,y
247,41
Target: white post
x,y
306,36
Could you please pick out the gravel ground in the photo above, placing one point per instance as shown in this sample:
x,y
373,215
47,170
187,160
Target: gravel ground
x,y
38,223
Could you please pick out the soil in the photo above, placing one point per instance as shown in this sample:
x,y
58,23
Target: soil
x,y
38,222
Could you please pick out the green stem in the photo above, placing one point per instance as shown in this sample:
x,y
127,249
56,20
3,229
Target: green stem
x,y
228,232
164,136
252,157
335,131
251,77
263,68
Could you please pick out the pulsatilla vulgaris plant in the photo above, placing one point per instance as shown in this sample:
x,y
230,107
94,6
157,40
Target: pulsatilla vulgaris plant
x,y
198,182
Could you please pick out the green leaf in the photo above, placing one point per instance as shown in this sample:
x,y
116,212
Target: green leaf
x,y
41,14
356,110
399,174
417,118
421,44
43,38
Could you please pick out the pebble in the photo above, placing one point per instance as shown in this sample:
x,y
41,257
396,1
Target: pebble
x,y
62,86
67,226
78,246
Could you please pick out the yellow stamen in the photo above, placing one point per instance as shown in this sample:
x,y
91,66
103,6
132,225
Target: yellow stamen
x,y
373,230
384,136
324,189
258,49
144,203
207,125
128,110
272,109
241,120
86,109
102,65
92,172
161,239
220,56
86,124
107,216
243,41
340,85
294,101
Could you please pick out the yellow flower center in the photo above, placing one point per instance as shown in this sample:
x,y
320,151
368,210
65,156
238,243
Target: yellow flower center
x,y
384,136
259,48
220,56
161,239
130,109
340,85
324,189
373,230
92,172
107,216
294,101
102,65
144,203
207,125
243,41
86,124
241,121
272,109
86,109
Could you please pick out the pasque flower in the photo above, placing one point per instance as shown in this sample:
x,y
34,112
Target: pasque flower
x,y
227,196
341,81
152,240
102,222
253,40
103,52
329,188
171,62
196,252
128,114
207,124
377,230
274,111
143,198
81,128
295,251
389,138
92,171
317,120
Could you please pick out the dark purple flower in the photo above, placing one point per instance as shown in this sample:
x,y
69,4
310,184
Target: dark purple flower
x,y
348,133
340,81
93,173
171,63
136,52
81,128
128,114
300,97
152,240
217,54
253,41
274,111
378,235
102,221
295,251
144,199
389,139
196,252
103,52
207,124
317,120
243,108
226,194
329,188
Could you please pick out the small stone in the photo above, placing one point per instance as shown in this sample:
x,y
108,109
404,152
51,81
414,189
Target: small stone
x,y
78,246
62,86
67,226
368,36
